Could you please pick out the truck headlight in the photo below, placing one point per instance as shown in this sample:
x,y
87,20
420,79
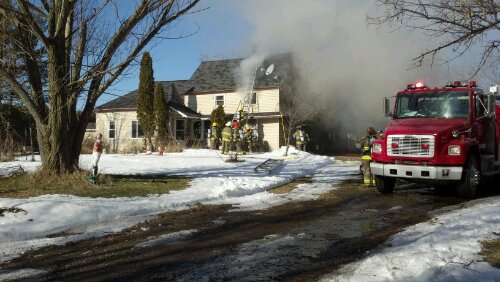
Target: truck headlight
x,y
377,148
454,150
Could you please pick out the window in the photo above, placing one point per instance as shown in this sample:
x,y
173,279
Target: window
x,y
197,129
253,100
136,130
433,105
180,126
219,100
111,132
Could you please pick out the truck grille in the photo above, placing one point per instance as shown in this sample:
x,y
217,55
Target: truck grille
x,y
410,145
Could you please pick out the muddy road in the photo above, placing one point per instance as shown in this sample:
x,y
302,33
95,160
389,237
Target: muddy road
x,y
298,241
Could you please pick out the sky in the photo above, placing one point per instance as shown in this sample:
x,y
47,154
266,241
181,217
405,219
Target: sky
x,y
214,39
445,248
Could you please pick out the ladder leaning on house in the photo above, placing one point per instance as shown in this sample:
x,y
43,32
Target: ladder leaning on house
x,y
247,99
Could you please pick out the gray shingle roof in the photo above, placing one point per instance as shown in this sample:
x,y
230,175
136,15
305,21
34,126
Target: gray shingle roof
x,y
213,76
129,101
188,112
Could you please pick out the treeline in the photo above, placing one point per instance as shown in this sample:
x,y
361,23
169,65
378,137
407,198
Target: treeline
x,y
15,124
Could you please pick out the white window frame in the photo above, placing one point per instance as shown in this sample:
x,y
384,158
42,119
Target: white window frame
x,y
114,129
137,130
223,99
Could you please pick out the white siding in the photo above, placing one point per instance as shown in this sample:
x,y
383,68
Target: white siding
x,y
267,101
269,131
123,141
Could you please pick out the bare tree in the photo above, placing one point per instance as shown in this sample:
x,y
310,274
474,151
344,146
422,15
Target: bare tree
x,y
88,45
455,24
297,105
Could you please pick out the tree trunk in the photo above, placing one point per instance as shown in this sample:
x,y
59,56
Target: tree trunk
x,y
57,138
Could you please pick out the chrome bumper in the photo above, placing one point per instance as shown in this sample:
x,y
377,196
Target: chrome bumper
x,y
417,171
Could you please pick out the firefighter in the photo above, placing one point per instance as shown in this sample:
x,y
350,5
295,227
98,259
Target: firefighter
x,y
307,140
249,138
237,137
214,138
226,138
299,136
365,144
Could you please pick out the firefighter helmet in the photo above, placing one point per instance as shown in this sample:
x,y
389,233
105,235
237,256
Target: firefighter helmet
x,y
214,124
228,123
371,131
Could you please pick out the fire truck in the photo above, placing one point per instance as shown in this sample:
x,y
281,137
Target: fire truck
x,y
446,136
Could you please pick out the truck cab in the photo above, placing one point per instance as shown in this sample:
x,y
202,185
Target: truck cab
x,y
445,136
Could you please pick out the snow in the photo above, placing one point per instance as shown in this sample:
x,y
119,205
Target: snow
x,y
444,248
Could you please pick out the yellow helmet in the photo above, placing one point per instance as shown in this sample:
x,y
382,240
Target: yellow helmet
x,y
214,124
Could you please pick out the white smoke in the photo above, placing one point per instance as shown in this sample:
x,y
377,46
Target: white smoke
x,y
342,61
248,68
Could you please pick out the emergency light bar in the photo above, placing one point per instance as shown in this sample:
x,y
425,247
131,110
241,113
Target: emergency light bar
x,y
418,85
472,83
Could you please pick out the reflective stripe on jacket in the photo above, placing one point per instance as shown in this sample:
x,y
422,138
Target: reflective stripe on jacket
x,y
213,133
226,134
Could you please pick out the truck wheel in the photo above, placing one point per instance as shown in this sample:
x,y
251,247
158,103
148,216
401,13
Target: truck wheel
x,y
470,179
385,185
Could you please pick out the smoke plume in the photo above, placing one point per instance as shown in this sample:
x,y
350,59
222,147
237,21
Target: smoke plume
x,y
343,63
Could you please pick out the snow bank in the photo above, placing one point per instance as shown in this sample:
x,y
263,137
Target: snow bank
x,y
445,248
215,182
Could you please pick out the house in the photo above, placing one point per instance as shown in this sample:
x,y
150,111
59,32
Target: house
x,y
192,101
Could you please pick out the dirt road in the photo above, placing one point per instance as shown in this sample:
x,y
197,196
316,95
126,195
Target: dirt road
x,y
298,241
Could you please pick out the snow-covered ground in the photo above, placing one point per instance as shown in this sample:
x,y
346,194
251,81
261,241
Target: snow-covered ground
x,y
445,248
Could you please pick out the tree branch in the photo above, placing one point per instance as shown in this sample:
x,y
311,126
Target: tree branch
x,y
22,93
37,30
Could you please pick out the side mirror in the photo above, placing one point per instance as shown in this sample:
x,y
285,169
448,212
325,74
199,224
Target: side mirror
x,y
387,108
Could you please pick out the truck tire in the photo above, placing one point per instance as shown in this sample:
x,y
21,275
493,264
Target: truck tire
x,y
467,188
385,185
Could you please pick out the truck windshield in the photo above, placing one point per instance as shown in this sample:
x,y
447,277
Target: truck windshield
x,y
433,105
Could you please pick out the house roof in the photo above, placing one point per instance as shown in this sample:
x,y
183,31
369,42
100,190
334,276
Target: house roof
x,y
222,75
183,110
129,101
213,76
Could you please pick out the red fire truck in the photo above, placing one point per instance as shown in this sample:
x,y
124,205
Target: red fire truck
x,y
446,136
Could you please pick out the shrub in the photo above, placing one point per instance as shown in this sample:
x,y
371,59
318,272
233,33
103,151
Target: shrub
x,y
173,146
